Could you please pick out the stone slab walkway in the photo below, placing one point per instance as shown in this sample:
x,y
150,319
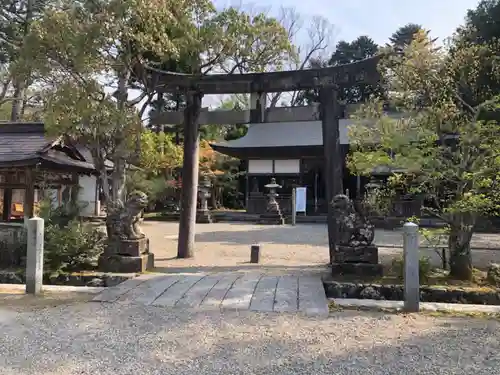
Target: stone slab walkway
x,y
241,291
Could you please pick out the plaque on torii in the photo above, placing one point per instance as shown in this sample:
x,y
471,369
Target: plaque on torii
x,y
325,80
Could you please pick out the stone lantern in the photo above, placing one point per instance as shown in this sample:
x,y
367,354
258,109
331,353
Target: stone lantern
x,y
372,185
273,212
203,214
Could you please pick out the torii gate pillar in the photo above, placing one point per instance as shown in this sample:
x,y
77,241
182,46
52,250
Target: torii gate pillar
x,y
190,169
329,112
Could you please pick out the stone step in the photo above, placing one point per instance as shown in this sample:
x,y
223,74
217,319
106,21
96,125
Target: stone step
x,y
242,291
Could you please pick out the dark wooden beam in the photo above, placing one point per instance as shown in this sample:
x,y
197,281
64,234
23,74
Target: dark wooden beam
x,y
364,71
258,107
7,203
190,167
235,117
333,158
29,195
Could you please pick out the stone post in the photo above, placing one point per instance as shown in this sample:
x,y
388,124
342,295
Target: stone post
x,y
255,254
34,256
411,267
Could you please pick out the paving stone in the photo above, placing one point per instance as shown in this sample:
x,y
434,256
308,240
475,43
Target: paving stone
x,y
263,297
173,294
312,298
287,294
240,294
147,292
250,291
112,294
216,295
195,296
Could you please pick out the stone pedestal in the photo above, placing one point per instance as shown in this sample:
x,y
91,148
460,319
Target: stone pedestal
x,y
357,261
204,217
356,254
272,218
127,256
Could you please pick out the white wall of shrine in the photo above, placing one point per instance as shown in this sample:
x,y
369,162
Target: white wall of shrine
x,y
268,166
86,196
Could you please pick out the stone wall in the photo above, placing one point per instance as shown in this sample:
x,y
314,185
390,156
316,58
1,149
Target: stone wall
x,y
12,244
447,294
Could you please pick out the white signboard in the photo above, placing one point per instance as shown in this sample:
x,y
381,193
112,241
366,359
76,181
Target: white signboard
x,y
300,199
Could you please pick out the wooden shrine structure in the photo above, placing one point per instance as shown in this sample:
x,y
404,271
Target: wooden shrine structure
x,y
327,81
29,160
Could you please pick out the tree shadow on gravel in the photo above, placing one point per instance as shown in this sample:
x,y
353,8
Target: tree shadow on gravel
x,y
312,235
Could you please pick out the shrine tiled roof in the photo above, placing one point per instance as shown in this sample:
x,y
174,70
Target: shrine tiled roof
x,y
285,134
25,144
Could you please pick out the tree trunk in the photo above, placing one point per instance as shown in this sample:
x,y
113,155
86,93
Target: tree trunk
x,y
21,79
18,100
190,168
118,177
460,254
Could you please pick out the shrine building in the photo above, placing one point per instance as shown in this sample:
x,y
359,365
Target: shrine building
x,y
292,152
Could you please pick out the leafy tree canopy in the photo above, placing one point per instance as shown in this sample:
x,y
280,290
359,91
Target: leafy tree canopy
x,y
345,53
482,24
88,46
447,154
404,36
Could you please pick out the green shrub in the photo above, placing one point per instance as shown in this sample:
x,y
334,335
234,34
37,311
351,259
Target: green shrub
x,y
72,248
69,244
424,268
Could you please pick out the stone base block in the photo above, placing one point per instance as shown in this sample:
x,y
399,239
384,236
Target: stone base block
x,y
133,248
357,269
204,217
358,254
272,220
126,264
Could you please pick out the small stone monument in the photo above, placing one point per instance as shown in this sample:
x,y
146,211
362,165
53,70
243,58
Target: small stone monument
x,y
203,214
355,253
128,246
273,215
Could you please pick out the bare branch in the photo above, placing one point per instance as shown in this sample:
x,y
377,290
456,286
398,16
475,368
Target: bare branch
x,y
146,104
137,100
319,37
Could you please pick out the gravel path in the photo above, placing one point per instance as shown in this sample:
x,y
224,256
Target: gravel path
x,y
93,338
226,246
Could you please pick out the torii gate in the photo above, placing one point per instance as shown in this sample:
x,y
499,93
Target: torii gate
x,y
258,85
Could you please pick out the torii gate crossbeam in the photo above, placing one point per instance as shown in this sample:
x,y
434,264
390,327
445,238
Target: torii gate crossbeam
x,y
326,80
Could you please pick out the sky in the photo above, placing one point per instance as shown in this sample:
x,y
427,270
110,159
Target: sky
x,y
375,18
352,18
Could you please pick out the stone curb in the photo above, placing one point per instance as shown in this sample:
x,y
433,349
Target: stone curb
x,y
392,246
433,294
94,279
425,306
55,288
